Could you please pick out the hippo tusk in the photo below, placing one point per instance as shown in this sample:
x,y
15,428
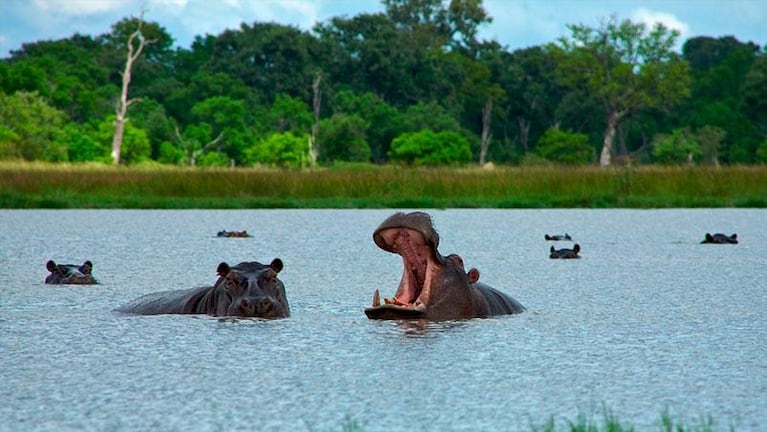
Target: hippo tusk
x,y
376,299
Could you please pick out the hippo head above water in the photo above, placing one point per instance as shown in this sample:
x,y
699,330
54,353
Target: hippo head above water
x,y
720,238
433,287
251,290
248,289
70,274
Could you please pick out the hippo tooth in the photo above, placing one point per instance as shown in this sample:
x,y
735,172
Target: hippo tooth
x,y
376,299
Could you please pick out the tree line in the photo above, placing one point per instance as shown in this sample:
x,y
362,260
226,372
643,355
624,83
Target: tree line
x,y
413,84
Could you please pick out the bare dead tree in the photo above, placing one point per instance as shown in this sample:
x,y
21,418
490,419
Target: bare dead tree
x,y
190,152
487,113
134,51
316,125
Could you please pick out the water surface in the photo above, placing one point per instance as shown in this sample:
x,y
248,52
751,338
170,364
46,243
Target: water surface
x,y
648,320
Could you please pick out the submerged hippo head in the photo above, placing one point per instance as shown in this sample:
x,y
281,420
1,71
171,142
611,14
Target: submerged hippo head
x,y
433,286
720,238
565,253
250,289
70,273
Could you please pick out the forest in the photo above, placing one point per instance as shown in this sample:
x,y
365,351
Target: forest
x,y
413,85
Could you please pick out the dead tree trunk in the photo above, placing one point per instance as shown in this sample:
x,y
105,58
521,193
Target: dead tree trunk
x,y
316,125
613,117
190,152
122,105
487,114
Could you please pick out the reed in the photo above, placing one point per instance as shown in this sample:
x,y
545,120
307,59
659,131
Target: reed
x,y
34,185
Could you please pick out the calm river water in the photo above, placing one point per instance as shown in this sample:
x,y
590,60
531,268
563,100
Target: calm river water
x,y
648,320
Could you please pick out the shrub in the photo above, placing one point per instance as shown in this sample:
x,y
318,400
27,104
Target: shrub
x,y
564,147
678,148
280,149
428,148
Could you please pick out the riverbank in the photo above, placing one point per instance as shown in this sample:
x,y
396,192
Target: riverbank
x,y
32,185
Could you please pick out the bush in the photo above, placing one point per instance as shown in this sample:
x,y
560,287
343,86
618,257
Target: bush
x,y
565,147
342,138
428,148
280,149
678,148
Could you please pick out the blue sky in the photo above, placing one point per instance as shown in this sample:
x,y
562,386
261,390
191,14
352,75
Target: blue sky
x,y
516,23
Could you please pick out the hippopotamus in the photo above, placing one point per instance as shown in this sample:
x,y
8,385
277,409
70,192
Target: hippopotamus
x,y
565,253
557,237
224,233
720,239
72,274
433,287
249,289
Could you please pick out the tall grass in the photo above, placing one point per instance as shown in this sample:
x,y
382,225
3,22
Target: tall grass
x,y
24,185
584,422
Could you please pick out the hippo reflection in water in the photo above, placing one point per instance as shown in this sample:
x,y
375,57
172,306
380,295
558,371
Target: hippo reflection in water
x,y
71,274
433,287
720,239
565,253
249,289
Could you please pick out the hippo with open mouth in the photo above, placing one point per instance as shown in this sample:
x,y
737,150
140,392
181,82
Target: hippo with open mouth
x,y
249,289
433,287
70,274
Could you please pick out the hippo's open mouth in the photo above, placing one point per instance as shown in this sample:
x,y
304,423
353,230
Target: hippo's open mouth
x,y
415,241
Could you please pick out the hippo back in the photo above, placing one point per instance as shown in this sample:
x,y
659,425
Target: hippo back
x,y
166,302
497,302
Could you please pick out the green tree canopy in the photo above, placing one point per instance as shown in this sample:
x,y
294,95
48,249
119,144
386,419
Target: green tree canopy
x,y
565,147
429,148
626,66
32,128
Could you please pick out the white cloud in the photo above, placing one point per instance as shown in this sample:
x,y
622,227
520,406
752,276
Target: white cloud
x,y
177,4
79,7
650,18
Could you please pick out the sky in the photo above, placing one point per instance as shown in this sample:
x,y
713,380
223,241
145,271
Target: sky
x,y
516,23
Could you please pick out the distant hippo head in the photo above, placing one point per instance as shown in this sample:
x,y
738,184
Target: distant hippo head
x,y
719,238
433,286
70,273
252,290
565,253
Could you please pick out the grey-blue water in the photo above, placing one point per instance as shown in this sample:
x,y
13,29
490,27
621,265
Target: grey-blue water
x,y
648,321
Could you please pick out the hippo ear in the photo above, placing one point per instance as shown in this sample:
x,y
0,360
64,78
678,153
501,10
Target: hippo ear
x,y
473,275
86,268
552,249
222,269
276,265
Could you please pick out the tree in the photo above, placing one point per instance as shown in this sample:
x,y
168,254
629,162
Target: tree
x,y
135,45
135,146
280,149
383,121
225,116
31,128
626,67
428,148
723,93
565,147
680,147
342,138
710,138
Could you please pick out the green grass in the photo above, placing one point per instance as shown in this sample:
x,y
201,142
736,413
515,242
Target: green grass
x,y
590,423
32,185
